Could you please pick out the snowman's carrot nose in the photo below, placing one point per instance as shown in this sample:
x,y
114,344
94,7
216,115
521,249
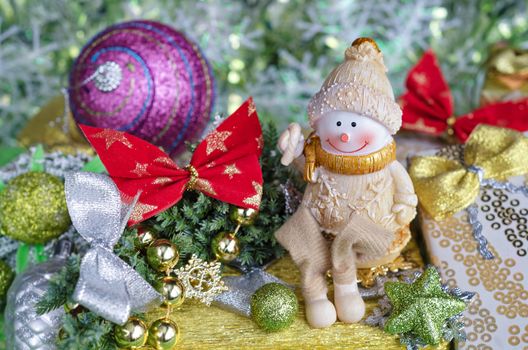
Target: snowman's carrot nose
x,y
344,137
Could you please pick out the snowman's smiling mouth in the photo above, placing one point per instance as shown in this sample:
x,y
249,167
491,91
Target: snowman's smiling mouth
x,y
354,151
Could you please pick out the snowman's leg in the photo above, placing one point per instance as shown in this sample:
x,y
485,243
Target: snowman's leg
x,y
373,241
349,304
361,238
302,237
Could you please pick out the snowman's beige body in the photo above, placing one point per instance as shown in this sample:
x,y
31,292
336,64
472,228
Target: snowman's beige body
x,y
355,214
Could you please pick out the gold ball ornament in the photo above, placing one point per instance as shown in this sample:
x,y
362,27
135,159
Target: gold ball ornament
x,y
162,255
163,334
172,290
243,216
225,246
132,334
33,208
145,236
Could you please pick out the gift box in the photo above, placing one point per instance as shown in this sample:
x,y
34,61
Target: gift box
x,y
497,318
506,75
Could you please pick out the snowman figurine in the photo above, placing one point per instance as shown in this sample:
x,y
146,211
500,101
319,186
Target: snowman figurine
x,y
359,200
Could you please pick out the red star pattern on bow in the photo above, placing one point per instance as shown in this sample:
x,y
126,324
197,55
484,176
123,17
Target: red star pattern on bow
x,y
225,165
428,105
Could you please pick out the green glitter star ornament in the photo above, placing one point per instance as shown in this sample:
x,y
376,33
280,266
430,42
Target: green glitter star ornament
x,y
421,308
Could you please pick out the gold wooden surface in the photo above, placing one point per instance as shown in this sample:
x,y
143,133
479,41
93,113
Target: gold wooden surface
x,y
205,327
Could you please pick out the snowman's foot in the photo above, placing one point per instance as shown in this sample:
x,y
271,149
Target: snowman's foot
x,y
320,312
349,304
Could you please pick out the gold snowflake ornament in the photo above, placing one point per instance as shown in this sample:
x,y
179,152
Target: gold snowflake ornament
x,y
202,280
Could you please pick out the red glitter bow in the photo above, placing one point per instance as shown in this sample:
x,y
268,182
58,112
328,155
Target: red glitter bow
x,y
428,105
225,165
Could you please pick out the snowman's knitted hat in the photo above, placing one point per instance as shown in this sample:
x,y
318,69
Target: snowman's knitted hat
x,y
359,85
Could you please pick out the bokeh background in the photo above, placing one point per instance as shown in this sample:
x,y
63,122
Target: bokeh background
x,y
278,51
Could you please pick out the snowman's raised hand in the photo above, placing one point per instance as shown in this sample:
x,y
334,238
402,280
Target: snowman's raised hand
x,y
291,143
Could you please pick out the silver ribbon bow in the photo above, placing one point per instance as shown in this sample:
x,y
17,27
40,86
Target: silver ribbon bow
x,y
107,285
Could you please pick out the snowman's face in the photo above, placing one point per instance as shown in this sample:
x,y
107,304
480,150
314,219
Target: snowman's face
x,y
351,134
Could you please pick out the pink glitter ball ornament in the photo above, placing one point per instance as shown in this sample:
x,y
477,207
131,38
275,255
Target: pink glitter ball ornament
x,y
145,78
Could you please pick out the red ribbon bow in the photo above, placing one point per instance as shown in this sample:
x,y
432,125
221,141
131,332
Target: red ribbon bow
x,y
428,105
225,165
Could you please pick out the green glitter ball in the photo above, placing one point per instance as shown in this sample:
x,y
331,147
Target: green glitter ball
x,y
274,307
6,277
33,208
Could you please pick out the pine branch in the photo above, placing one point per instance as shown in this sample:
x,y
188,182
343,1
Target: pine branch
x,y
61,287
86,331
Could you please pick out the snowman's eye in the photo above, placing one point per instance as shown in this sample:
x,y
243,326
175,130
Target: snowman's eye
x,y
338,123
353,124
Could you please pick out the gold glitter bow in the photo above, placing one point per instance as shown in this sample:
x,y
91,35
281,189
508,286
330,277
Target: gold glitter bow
x,y
446,186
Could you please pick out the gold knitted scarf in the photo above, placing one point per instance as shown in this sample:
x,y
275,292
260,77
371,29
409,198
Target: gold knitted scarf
x,y
346,165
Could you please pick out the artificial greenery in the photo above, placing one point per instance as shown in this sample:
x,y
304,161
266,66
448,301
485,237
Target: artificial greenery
x,y
191,225
61,287
86,331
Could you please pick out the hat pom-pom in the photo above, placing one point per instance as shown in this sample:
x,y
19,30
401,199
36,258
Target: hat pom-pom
x,y
364,49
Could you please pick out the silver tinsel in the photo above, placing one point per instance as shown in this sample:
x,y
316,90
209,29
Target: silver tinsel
x,y
240,289
24,329
292,196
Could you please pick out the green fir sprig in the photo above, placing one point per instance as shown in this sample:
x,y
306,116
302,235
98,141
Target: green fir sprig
x,y
61,287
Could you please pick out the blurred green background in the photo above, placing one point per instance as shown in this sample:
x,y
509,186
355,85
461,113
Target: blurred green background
x,y
277,51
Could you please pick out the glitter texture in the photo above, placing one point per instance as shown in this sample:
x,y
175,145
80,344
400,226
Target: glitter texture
x,y
274,307
157,84
6,277
421,308
33,208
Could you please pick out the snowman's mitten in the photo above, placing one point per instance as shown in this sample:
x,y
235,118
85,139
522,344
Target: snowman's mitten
x,y
409,199
302,237
404,207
